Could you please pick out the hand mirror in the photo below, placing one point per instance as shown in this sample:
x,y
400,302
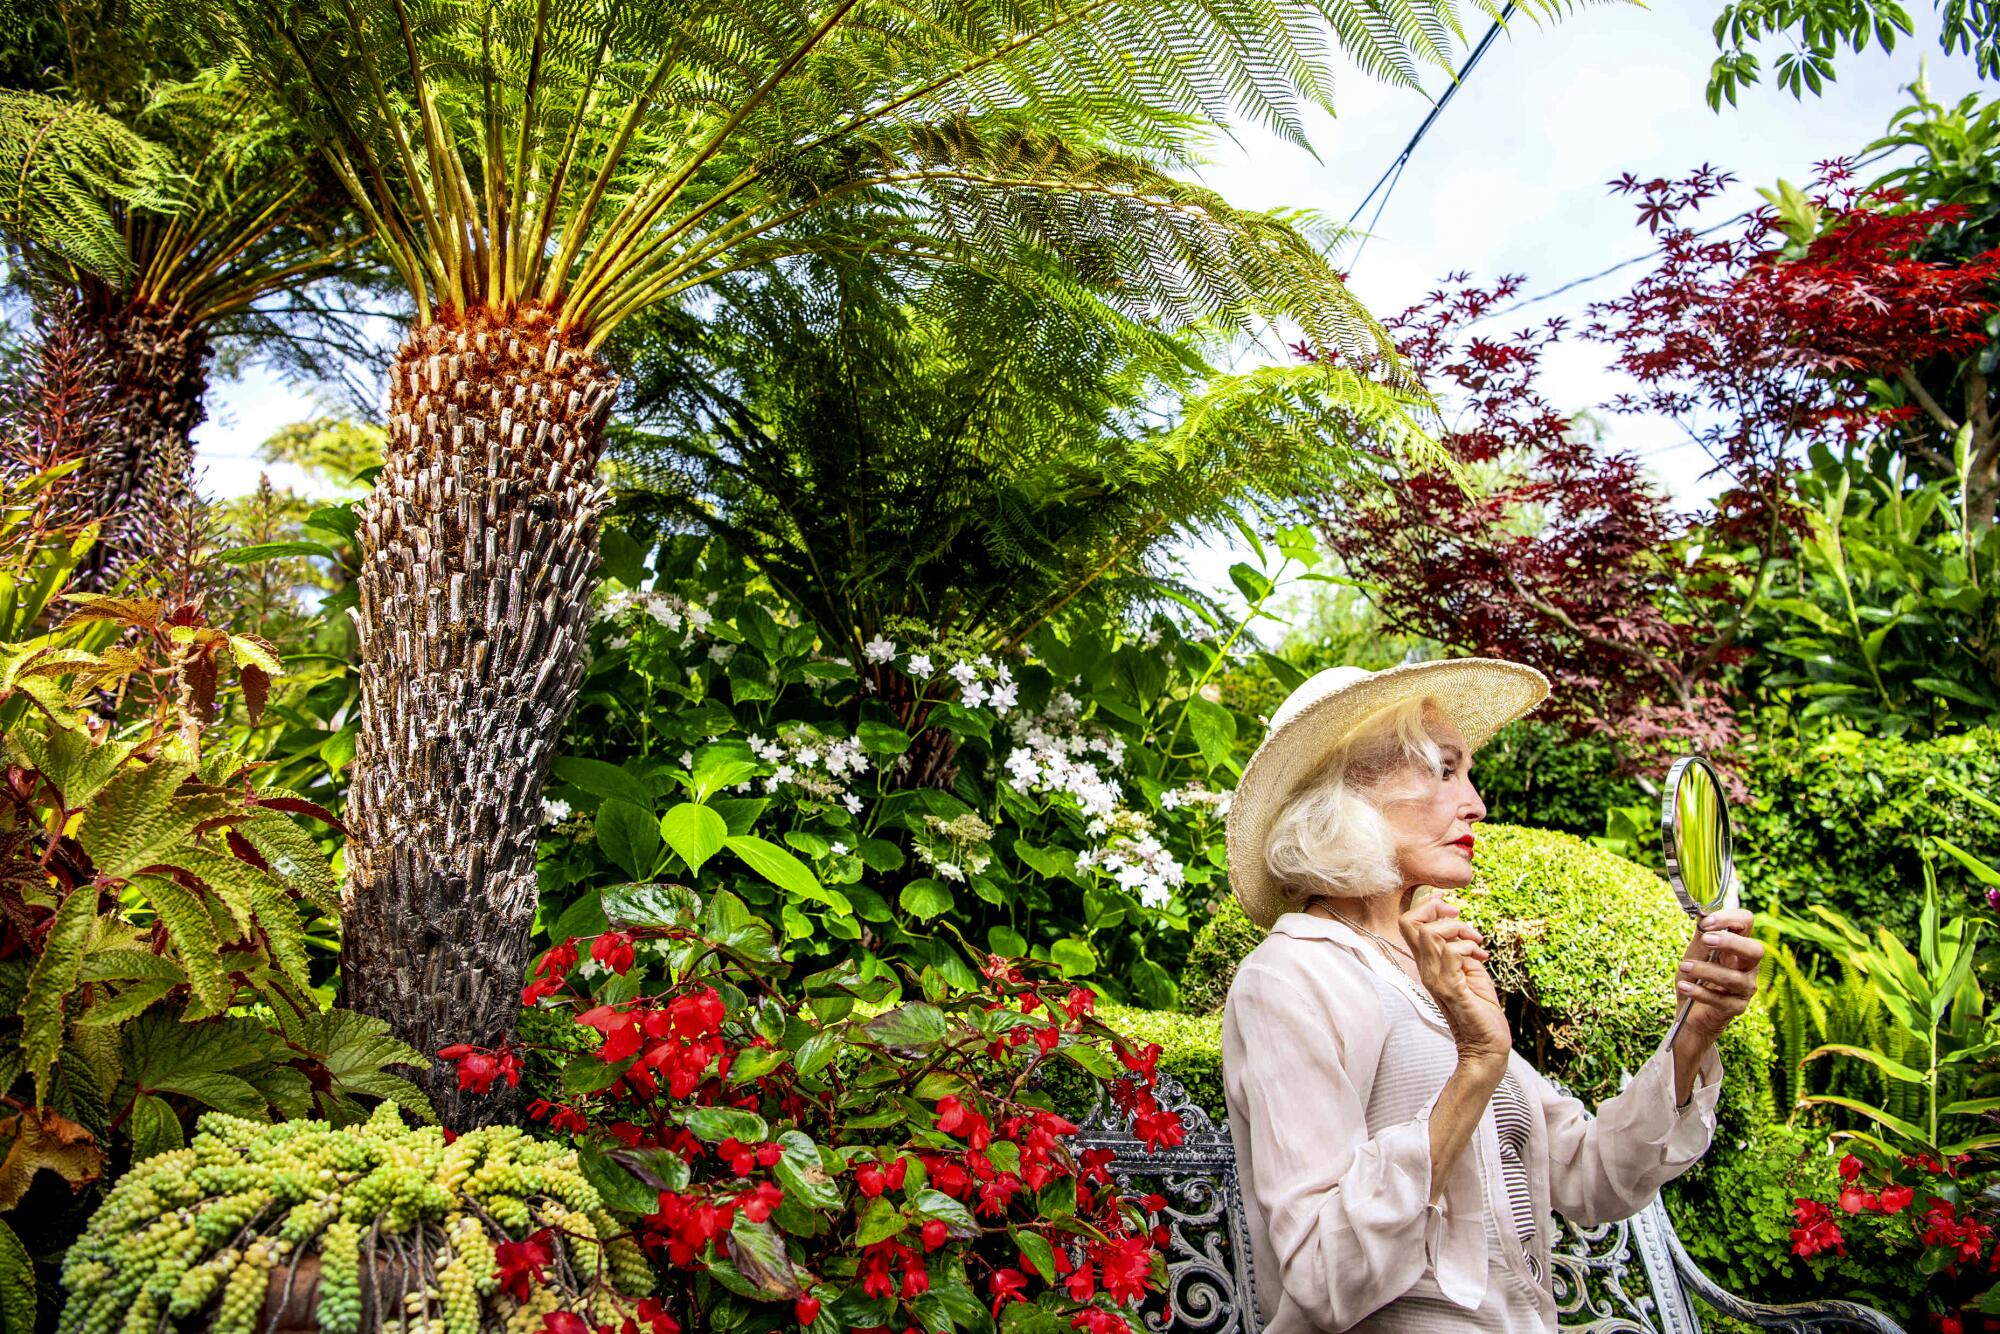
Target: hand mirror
x,y
1694,829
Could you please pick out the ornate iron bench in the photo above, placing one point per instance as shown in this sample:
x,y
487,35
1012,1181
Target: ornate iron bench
x,y
1598,1286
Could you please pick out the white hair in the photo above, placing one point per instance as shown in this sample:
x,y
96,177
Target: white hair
x,y
1330,839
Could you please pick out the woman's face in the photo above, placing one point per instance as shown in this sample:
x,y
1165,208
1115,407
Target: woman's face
x,y
1433,826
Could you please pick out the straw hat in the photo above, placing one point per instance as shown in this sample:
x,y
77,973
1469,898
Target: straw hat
x,y
1481,695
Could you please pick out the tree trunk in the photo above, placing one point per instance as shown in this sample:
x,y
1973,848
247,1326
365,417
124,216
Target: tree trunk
x,y
478,544
156,363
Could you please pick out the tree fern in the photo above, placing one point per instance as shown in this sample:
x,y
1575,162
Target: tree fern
x,y
598,158
955,449
65,167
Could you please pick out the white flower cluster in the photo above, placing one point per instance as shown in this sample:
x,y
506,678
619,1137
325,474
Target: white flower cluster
x,y
981,682
1195,795
1053,755
955,848
554,811
669,610
812,763
1135,858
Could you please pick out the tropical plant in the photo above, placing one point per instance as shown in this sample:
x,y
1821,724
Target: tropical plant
x,y
1071,799
538,174
164,205
1815,30
155,904
885,446
1883,618
340,1226
805,1150
1929,1056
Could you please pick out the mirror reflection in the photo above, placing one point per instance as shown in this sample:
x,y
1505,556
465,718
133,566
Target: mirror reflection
x,y
1695,830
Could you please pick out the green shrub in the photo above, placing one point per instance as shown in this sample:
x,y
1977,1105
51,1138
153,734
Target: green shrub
x,y
1227,936
1733,1212
1585,944
1535,773
1839,821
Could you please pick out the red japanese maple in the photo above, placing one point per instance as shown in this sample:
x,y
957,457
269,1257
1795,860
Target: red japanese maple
x,y
1757,338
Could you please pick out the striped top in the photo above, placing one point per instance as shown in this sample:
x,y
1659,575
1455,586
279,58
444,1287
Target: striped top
x,y
1425,1058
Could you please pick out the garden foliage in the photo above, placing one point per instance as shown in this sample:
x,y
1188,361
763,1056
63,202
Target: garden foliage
x,y
366,1227
831,1148
936,804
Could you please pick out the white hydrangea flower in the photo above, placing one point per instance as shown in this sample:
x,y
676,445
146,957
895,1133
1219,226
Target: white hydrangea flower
x,y
852,802
699,618
553,810
964,673
950,871
920,666
879,649
721,651
973,695
838,849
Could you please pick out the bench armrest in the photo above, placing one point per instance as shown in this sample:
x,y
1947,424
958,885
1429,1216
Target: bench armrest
x,y
1793,1317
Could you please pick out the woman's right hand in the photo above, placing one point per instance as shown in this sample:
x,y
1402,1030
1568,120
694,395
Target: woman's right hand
x,y
1451,959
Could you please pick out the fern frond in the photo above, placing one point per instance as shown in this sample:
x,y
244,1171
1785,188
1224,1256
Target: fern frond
x,y
63,166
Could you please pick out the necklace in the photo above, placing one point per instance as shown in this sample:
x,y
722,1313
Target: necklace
x,y
1383,943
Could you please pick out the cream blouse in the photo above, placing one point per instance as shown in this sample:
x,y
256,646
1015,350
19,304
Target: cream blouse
x,y
1332,1060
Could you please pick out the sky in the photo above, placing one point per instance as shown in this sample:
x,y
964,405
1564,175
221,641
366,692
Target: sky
x,y
1512,178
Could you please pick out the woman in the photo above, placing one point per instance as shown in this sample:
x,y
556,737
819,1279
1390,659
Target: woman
x,y
1399,1160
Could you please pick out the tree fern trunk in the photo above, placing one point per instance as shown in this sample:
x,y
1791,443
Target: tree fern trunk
x,y
477,549
155,363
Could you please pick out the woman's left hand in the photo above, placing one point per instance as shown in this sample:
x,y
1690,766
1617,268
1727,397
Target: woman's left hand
x,y
1721,988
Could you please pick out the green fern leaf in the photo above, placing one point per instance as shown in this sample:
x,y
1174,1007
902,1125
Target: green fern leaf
x,y
192,931
54,978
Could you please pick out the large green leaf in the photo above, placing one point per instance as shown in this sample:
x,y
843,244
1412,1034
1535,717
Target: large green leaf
x,y
75,762
1214,729
719,1123
294,858
17,1285
138,818
918,1024
603,780
802,1174
785,871
354,1052
55,976
694,832
629,836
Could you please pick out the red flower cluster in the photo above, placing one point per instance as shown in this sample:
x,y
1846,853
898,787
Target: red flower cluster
x,y
909,1278
1816,1230
1156,1128
683,1227
478,1068
652,1318
552,973
519,1265
1964,1236
659,1082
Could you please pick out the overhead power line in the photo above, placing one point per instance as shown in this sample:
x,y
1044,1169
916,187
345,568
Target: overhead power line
x,y
1393,173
